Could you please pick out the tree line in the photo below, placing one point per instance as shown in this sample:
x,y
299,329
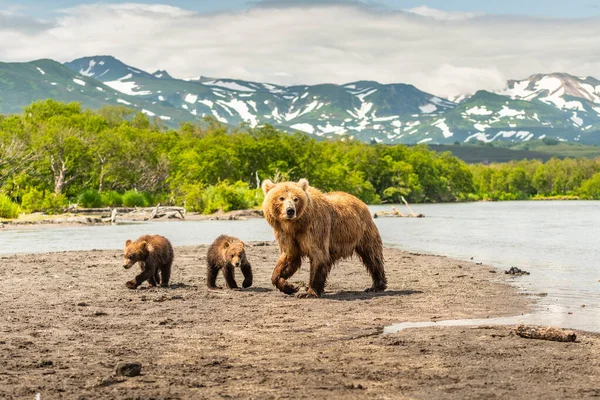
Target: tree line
x,y
54,154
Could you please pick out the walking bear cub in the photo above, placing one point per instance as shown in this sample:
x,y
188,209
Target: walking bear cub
x,y
225,254
324,227
155,255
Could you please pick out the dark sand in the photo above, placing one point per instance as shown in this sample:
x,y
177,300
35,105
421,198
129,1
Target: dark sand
x,y
67,320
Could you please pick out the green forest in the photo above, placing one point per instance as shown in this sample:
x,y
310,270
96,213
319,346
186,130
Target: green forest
x,y
56,154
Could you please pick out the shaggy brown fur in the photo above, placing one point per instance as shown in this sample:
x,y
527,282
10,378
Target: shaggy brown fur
x,y
325,227
155,255
225,254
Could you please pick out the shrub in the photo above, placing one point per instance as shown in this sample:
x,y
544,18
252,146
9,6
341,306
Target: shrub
x,y
38,200
590,189
227,197
112,199
133,198
54,203
33,200
90,199
191,197
8,209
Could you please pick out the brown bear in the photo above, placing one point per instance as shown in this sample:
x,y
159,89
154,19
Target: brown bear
x,y
225,254
155,255
325,227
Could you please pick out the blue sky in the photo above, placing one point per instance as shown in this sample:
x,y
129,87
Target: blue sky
x,y
548,8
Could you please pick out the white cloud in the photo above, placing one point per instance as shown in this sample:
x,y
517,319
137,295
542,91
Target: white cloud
x,y
440,15
439,52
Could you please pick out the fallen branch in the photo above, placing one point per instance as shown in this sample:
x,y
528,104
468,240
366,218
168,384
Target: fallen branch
x,y
545,333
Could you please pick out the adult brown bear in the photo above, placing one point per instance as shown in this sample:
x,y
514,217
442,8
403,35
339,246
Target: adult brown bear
x,y
325,227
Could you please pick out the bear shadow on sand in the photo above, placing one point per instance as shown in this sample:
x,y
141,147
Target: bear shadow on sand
x,y
258,290
362,295
172,286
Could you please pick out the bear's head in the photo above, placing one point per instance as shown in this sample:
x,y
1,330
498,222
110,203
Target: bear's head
x,y
134,252
285,201
234,253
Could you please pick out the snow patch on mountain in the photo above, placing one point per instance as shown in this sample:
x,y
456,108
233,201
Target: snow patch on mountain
x,y
477,110
328,128
243,111
88,72
508,112
191,98
578,121
367,93
428,108
127,87
229,85
441,124
308,128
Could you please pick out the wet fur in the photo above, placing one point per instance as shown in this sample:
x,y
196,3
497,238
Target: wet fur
x,y
154,253
326,228
222,256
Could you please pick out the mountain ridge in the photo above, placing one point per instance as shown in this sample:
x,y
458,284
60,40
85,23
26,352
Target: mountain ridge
x,y
555,105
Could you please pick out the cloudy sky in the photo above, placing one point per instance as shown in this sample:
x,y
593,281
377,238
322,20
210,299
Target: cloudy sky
x,y
445,47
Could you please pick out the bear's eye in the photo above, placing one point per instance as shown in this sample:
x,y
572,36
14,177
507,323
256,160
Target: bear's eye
x,y
131,257
281,198
296,199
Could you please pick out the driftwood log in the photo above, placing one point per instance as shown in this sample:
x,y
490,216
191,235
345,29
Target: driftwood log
x,y
153,212
545,333
396,213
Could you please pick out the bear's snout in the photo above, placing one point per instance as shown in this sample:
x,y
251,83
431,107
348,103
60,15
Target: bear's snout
x,y
290,212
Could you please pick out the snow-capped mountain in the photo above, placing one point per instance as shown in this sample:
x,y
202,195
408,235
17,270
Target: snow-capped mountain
x,y
555,105
366,110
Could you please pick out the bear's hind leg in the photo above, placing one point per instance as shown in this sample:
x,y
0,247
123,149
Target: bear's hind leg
x,y
211,276
319,270
152,281
372,258
165,275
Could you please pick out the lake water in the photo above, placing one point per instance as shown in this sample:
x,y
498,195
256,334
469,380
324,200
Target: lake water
x,y
556,241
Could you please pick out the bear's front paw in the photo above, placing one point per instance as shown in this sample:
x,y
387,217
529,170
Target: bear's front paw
x,y
378,288
288,288
246,284
131,285
309,294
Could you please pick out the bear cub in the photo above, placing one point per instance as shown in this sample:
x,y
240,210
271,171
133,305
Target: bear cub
x,y
154,253
225,254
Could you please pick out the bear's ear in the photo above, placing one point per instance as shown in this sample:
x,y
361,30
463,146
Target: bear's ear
x,y
303,184
127,243
226,245
144,244
267,185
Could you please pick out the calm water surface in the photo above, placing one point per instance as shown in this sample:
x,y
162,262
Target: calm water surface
x,y
556,241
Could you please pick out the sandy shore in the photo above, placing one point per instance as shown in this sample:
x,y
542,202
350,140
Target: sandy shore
x,y
68,319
